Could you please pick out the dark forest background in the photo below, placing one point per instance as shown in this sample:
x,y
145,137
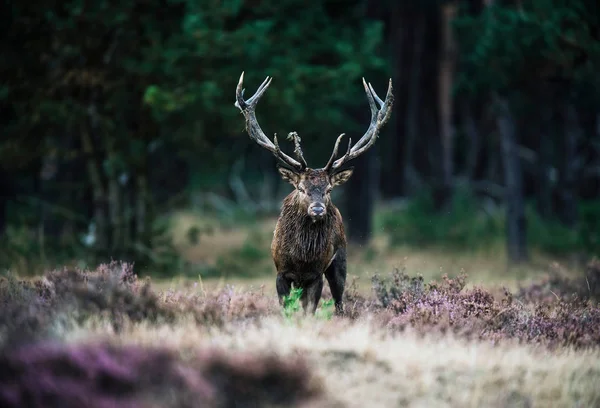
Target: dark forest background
x,y
117,113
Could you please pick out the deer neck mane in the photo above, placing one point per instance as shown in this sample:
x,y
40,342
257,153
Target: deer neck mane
x,y
308,240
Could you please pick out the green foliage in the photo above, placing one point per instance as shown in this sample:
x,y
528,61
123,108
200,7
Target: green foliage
x,y
521,43
293,307
553,237
468,225
589,226
464,225
316,72
115,91
247,261
370,254
291,303
326,310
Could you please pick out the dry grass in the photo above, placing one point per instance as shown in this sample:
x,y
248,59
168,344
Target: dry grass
x,y
216,240
360,364
445,348
413,345
378,257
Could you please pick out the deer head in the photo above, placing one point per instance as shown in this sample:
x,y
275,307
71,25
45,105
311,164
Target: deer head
x,y
313,186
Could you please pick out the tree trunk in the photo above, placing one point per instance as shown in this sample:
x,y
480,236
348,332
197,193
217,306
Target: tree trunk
x,y
544,182
93,168
446,79
573,132
114,204
428,154
5,194
392,182
516,228
472,132
412,109
141,208
127,217
360,198
362,186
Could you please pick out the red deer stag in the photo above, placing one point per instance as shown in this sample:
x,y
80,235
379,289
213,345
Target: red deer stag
x,y
309,238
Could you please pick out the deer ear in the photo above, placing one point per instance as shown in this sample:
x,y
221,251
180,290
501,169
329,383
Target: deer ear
x,y
288,175
342,176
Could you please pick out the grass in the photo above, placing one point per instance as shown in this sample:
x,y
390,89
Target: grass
x,y
105,338
241,256
527,336
361,364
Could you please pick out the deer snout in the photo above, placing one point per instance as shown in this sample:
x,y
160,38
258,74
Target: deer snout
x,y
316,210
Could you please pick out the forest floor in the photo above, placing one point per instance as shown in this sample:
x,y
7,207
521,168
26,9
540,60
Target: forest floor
x,y
527,337
246,250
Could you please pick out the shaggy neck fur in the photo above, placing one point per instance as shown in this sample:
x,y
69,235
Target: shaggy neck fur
x,y
309,241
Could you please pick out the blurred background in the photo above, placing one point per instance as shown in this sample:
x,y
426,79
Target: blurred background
x,y
120,139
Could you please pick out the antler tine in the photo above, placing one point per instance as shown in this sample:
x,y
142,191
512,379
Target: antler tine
x,y
378,118
248,107
373,107
377,98
335,151
297,148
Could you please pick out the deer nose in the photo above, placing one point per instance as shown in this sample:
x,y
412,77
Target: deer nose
x,y
316,209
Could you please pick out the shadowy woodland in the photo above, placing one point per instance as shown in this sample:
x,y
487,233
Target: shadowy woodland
x,y
120,145
115,114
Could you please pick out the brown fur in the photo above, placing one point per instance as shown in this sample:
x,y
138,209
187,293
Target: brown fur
x,y
297,239
304,249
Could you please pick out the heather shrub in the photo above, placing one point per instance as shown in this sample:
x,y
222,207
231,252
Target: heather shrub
x,y
557,285
111,290
556,311
355,304
250,381
24,314
63,298
441,307
105,376
219,307
36,309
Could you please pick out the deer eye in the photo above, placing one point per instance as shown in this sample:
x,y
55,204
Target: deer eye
x,y
328,189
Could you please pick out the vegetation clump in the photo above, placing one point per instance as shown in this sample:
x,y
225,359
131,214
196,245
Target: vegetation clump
x,y
475,314
102,376
34,308
44,366
557,285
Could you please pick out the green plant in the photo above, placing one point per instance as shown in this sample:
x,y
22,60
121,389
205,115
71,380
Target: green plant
x,y
326,310
292,306
468,225
551,236
246,261
589,226
291,303
464,225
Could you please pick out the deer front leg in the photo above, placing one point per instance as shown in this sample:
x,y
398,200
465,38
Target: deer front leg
x,y
311,295
336,277
284,287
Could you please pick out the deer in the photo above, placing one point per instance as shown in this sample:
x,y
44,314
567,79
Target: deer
x,y
309,239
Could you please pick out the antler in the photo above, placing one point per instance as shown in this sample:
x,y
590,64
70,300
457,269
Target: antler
x,y
297,149
247,107
378,119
